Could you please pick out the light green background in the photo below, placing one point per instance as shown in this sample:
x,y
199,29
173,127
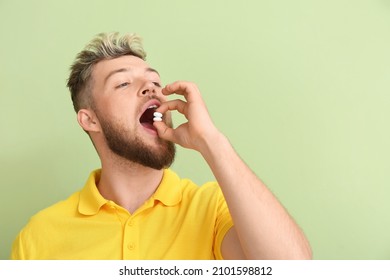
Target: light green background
x,y
301,88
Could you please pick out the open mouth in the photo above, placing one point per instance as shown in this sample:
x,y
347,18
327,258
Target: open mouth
x,y
146,118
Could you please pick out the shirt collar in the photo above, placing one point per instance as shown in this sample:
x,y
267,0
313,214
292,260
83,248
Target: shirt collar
x,y
168,192
90,198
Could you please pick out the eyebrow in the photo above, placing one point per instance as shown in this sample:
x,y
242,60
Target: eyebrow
x,y
121,70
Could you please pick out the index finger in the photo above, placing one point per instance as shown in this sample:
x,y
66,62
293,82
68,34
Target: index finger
x,y
187,89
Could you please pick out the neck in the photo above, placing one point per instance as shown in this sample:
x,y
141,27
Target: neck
x,y
128,184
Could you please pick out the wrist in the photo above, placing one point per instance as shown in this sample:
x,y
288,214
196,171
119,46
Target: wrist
x,y
213,144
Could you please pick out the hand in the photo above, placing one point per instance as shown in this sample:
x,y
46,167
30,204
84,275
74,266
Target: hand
x,y
199,128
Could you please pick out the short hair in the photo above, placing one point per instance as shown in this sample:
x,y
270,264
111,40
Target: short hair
x,y
103,46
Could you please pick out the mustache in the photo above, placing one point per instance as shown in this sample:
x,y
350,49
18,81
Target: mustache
x,y
153,96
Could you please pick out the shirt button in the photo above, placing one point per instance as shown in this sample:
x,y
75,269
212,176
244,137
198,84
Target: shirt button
x,y
130,223
131,246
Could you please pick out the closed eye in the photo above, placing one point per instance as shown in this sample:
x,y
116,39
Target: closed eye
x,y
157,84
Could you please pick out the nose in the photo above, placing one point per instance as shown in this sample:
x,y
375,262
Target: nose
x,y
149,90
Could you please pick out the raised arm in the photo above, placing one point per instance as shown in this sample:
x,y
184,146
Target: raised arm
x,y
262,227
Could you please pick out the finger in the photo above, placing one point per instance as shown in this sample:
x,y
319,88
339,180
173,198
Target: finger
x,y
177,104
187,89
165,132
179,87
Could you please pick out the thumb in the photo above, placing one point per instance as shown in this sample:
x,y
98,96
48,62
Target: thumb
x,y
164,132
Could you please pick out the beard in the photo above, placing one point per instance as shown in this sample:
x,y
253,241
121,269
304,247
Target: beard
x,y
132,148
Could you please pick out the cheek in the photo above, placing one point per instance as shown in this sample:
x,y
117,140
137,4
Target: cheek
x,y
121,111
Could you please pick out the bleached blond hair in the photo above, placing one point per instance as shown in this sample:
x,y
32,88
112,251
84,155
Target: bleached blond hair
x,y
103,46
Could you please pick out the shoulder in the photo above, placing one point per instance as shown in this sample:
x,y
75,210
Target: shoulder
x,y
207,195
174,190
208,189
51,215
190,188
33,239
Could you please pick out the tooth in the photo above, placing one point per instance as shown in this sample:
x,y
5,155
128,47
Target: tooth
x,y
152,107
157,119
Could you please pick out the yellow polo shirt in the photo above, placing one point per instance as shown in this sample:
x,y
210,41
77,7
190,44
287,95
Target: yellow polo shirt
x,y
180,221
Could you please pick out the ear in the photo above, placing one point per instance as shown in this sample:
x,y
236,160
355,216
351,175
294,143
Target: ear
x,y
88,120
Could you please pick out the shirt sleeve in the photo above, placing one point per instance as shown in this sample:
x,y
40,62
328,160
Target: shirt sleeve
x,y
17,252
223,223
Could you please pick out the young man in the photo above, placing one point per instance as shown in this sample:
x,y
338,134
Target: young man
x,y
134,207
